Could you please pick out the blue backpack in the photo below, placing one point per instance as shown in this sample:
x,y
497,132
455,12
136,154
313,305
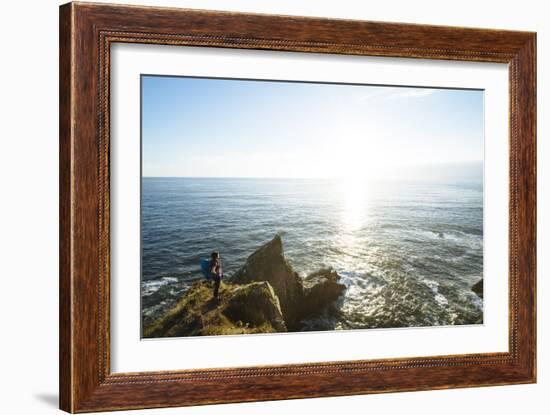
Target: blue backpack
x,y
205,268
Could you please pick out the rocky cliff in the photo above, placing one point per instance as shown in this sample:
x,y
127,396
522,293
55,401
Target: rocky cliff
x,y
321,290
268,263
240,309
265,295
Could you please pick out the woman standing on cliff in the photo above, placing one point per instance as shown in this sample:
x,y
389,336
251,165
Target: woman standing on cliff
x,y
216,271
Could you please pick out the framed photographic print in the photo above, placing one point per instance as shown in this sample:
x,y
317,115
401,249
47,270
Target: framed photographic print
x,y
260,207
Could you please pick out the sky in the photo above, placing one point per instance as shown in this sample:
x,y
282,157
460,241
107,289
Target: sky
x,y
198,127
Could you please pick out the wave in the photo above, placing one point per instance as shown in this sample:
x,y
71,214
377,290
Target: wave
x,y
407,253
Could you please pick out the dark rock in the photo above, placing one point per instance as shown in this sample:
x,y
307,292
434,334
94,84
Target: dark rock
x,y
478,288
268,263
321,290
264,296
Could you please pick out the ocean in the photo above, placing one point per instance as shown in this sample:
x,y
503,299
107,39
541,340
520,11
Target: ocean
x,y
408,252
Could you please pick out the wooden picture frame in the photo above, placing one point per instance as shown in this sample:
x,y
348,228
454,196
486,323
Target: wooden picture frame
x,y
86,33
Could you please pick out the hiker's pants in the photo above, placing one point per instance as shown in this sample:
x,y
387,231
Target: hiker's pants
x,y
217,280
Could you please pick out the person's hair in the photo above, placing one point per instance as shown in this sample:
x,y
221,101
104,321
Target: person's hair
x,y
215,254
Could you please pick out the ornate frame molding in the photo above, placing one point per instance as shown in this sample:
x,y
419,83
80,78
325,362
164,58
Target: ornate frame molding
x,y
86,33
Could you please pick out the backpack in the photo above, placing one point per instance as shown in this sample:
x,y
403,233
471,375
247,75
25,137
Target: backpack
x,y
206,269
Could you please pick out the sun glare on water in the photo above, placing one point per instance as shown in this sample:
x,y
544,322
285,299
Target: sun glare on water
x,y
354,199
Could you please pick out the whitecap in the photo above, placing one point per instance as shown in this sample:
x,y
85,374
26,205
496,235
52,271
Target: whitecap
x,y
441,300
434,286
152,286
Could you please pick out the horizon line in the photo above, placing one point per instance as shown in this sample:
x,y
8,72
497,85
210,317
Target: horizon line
x,y
309,177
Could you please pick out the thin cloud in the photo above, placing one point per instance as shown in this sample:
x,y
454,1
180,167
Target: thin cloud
x,y
395,93
412,93
378,93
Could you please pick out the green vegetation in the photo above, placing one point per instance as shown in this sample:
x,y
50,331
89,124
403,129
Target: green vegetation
x,y
264,296
240,309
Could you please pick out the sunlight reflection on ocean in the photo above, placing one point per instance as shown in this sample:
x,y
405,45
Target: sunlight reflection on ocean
x,y
408,252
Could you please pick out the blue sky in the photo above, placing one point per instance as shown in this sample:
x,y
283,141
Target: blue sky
x,y
197,127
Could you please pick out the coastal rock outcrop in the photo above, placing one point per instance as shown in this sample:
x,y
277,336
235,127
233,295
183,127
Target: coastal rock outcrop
x,y
254,305
321,290
268,263
478,288
240,309
266,295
